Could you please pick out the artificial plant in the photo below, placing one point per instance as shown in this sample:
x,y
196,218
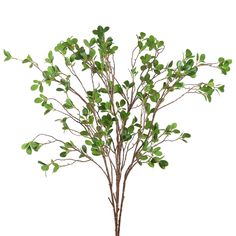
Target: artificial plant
x,y
113,123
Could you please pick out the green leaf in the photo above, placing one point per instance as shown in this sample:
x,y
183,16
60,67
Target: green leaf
x,y
135,119
41,163
60,89
221,88
186,135
155,96
106,29
29,150
163,164
143,158
86,43
50,57
178,85
107,121
151,164
68,145
68,104
140,45
34,87
147,107
211,83
27,59
47,111
108,105
91,119
56,167
173,126
63,154
98,65
221,60
24,146
88,142
155,160
142,35
92,53
157,151
202,57
96,152
160,43
118,89
126,136
85,111
122,102
113,49
41,88
7,55
92,41
176,131
124,115
45,167
84,133
38,100
35,146
146,58
179,65
192,72
188,53
84,149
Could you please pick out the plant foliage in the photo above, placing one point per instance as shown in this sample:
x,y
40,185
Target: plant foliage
x,y
115,120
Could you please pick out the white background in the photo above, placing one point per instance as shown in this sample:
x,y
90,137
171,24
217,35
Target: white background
x,y
194,196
